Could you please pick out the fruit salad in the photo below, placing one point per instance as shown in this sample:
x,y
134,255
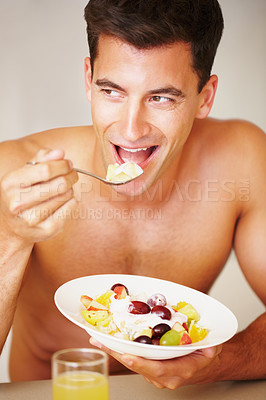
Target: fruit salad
x,y
123,172
149,320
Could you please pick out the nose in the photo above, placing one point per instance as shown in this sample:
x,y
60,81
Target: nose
x,y
133,121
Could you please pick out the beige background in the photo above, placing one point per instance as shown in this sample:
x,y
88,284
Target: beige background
x,y
42,47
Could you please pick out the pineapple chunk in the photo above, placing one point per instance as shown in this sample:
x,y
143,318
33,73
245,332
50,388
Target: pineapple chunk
x,y
123,172
104,323
111,170
190,312
179,305
92,317
146,332
122,177
105,298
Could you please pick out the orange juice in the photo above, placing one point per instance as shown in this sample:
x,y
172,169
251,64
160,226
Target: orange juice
x,y
80,385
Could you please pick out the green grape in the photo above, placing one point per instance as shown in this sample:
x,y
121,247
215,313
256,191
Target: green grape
x,y
170,338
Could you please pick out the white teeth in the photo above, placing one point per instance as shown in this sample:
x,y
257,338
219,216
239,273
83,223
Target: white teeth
x,y
134,150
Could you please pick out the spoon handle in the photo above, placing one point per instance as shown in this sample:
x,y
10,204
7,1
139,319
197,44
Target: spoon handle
x,y
82,171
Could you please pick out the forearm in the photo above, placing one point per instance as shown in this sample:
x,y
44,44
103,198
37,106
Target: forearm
x,y
13,261
30,212
243,357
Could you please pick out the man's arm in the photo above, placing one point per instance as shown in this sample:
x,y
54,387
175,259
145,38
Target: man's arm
x,y
250,248
243,357
31,200
13,262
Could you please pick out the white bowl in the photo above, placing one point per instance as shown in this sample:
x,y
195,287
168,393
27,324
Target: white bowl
x,y
220,321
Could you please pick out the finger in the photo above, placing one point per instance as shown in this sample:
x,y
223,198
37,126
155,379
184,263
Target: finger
x,y
167,373
162,374
212,352
114,354
48,154
55,223
49,164
95,343
34,195
147,379
29,175
157,384
43,172
182,367
130,361
157,373
34,216
142,366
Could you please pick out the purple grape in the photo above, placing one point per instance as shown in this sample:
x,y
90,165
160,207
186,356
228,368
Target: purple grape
x,y
138,307
143,339
119,284
159,330
156,341
162,312
157,299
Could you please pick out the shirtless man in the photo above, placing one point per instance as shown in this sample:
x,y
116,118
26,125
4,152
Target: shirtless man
x,y
179,221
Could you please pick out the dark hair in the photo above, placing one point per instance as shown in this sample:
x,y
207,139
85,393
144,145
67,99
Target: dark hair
x,y
150,23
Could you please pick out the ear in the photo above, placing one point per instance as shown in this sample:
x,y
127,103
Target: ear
x,y
88,77
206,97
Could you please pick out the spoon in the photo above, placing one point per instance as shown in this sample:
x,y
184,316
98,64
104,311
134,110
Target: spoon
x,y
81,171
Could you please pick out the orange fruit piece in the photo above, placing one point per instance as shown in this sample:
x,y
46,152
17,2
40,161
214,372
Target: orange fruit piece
x,y
197,333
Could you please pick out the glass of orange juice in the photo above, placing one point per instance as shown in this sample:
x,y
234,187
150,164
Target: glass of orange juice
x,y
80,374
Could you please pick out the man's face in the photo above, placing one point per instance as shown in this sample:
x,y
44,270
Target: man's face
x,y
143,104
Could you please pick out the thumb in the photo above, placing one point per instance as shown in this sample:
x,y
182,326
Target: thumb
x,y
212,352
48,155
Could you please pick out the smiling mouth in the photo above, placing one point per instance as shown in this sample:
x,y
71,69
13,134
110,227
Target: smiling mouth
x,y
141,156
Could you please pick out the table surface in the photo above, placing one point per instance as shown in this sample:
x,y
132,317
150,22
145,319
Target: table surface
x,y
131,387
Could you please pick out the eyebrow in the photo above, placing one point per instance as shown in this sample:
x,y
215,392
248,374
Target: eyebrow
x,y
170,90
106,82
173,91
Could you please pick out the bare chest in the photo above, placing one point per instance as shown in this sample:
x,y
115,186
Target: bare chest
x,y
188,246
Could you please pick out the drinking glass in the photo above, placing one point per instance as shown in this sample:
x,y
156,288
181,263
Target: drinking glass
x,y
80,374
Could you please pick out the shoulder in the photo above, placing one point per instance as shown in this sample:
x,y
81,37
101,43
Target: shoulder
x,y
15,153
235,143
244,134
245,144
232,153
238,154
233,132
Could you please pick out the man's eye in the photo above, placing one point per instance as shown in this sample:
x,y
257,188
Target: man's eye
x,y
110,92
161,99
